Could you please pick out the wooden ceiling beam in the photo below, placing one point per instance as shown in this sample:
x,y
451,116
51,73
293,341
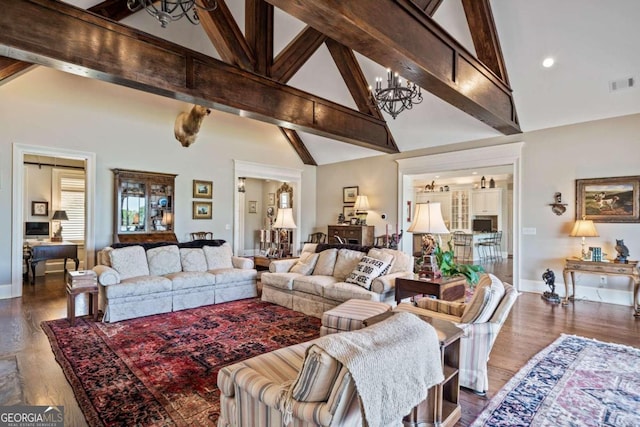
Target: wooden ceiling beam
x,y
112,9
485,36
259,33
297,144
421,52
224,33
296,53
65,37
428,6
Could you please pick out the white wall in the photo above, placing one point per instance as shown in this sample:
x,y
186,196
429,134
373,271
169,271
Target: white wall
x,y
552,160
134,130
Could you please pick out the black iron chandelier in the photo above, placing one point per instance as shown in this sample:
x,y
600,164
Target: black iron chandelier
x,y
395,98
172,10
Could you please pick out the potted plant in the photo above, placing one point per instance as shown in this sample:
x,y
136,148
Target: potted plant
x,y
449,267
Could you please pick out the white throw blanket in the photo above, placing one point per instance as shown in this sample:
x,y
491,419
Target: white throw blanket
x,y
393,364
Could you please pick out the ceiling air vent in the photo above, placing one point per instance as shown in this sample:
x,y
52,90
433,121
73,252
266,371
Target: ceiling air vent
x,y
621,84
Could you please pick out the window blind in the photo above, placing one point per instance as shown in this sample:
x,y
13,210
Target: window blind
x,y
72,189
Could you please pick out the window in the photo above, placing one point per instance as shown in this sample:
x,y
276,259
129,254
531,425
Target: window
x,y
69,190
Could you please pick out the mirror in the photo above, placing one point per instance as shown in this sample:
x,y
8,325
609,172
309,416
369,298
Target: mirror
x,y
285,196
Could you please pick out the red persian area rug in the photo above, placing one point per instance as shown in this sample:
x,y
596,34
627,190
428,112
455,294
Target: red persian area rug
x,y
574,382
162,370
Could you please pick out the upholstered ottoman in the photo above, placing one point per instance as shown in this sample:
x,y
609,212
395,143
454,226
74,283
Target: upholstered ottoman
x,y
349,315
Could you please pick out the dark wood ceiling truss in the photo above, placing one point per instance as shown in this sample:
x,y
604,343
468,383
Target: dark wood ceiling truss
x,y
422,52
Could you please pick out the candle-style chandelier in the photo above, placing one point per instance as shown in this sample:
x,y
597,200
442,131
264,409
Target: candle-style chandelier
x,y
395,98
172,10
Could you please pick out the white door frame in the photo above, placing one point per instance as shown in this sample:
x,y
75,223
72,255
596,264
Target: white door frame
x,y
18,206
262,171
496,155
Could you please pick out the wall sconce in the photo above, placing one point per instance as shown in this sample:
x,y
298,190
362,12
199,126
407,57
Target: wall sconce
x,y
558,207
241,188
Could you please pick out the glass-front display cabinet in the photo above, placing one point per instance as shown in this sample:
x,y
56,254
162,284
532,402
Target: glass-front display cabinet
x,y
144,206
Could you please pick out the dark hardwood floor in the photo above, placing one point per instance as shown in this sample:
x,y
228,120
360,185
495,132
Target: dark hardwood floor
x,y
532,325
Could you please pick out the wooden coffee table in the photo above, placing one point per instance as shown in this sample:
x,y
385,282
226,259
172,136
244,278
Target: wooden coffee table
x,y
262,262
448,289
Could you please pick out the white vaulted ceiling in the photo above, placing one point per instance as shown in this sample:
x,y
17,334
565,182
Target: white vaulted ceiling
x,y
592,42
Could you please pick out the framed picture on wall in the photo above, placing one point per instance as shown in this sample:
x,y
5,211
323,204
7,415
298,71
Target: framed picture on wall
x,y
349,194
202,210
253,206
202,189
272,199
40,208
348,212
608,199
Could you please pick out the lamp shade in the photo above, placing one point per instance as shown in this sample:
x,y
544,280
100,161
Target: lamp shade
x,y
60,216
428,219
362,204
584,228
284,219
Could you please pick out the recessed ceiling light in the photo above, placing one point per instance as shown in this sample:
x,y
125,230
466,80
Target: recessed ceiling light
x,y
548,62
474,173
437,176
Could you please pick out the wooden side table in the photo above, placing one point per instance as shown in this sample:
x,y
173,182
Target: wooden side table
x,y
448,289
71,301
629,270
442,405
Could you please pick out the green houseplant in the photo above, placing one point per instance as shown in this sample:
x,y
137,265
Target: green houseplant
x,y
449,267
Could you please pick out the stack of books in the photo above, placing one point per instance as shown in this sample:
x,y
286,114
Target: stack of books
x,y
82,279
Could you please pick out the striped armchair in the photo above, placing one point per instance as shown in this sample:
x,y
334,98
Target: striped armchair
x,y
481,320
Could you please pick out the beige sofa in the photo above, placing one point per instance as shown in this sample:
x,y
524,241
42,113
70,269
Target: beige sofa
x,y
134,282
319,281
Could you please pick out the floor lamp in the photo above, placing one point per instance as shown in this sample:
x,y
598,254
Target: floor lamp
x,y
284,222
428,221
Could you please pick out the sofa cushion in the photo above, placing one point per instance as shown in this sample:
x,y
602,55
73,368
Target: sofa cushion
x,y
367,269
342,291
190,279
232,275
326,263
164,260
129,262
487,294
279,280
401,261
138,286
193,259
313,284
315,380
305,264
346,262
218,257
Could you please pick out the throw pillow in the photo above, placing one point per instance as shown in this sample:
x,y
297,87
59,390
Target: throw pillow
x,y
315,380
326,262
368,269
164,260
218,257
480,299
193,259
496,292
383,256
129,262
345,263
305,264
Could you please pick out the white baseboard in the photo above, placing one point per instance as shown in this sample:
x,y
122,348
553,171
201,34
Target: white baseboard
x,y
5,291
583,293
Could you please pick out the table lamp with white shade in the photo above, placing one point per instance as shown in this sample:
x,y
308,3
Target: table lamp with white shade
x,y
428,221
361,208
284,222
584,228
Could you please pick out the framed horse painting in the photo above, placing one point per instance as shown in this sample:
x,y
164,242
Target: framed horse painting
x,y
608,199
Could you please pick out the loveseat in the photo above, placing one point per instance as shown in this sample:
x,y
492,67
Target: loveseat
x,y
325,276
330,381
141,280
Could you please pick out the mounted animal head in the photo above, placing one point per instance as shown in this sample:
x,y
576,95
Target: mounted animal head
x,y
187,125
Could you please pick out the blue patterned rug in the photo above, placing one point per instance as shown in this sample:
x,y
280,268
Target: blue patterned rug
x,y
573,382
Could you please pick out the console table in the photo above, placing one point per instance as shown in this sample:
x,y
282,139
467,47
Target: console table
x,y
352,234
629,270
448,289
42,251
